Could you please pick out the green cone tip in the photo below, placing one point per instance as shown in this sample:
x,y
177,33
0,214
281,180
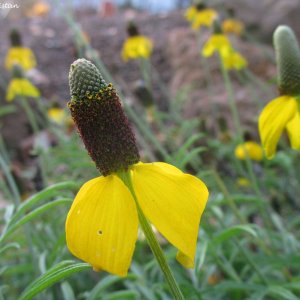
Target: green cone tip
x,y
85,80
288,60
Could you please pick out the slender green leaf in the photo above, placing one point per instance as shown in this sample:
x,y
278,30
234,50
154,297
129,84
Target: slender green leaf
x,y
61,271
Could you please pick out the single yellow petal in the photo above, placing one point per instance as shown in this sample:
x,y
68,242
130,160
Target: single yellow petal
x,y
102,225
21,87
293,129
273,119
234,60
173,202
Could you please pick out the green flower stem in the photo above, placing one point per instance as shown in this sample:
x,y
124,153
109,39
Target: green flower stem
x,y
258,82
11,182
145,68
152,241
207,76
252,91
237,125
30,114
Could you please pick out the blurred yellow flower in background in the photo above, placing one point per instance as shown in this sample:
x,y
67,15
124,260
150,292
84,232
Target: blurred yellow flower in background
x,y
137,46
40,9
217,43
243,182
281,113
22,56
21,87
251,149
232,26
234,60
200,17
57,115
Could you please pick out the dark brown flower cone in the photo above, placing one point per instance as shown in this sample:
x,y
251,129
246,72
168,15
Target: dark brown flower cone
x,y
100,119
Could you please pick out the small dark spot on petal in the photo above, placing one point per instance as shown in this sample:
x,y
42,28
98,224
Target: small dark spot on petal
x,y
100,231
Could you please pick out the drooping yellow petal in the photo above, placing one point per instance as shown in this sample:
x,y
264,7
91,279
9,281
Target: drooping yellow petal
x,y
135,47
102,225
173,202
273,119
22,56
217,42
234,60
21,87
293,129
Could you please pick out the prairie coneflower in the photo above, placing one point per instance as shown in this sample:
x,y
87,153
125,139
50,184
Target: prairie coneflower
x,y
232,26
18,54
102,224
136,46
200,16
20,86
284,111
249,149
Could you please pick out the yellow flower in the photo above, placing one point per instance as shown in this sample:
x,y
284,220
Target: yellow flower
x,y
199,18
232,26
250,149
21,87
40,9
217,42
57,115
137,46
281,113
102,224
243,182
234,60
190,13
22,56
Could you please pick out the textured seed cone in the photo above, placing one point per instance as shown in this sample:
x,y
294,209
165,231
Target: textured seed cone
x,y
15,38
99,117
288,60
132,29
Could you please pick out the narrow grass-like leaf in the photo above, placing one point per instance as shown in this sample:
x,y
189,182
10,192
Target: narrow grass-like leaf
x,y
232,232
124,295
67,291
9,246
283,293
61,271
33,214
104,284
48,192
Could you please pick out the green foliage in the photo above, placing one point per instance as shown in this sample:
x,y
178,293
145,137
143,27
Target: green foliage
x,y
249,238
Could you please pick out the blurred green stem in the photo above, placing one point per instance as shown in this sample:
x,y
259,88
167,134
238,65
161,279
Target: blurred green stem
x,y
145,68
11,182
